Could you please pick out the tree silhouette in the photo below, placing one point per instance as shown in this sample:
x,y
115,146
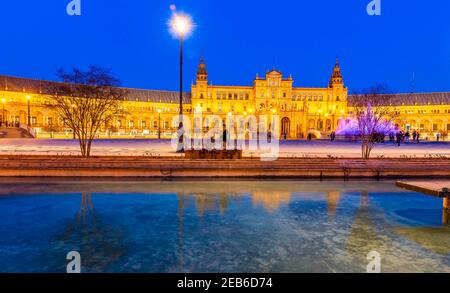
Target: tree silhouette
x,y
374,114
86,101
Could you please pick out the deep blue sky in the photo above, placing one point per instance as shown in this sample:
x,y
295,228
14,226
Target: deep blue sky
x,y
238,38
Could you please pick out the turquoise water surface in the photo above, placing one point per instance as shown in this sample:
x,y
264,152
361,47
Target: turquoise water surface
x,y
219,226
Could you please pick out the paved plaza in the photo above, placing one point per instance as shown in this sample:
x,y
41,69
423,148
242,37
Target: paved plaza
x,y
297,149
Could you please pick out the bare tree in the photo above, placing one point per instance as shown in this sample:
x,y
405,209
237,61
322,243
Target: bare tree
x,y
375,113
86,101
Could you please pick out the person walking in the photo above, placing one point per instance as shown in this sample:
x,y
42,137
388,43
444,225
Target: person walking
x,y
399,138
224,138
407,136
391,137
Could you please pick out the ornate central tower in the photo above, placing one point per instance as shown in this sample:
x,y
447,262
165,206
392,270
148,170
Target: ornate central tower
x,y
200,95
202,73
336,79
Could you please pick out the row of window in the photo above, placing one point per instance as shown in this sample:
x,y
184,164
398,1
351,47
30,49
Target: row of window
x,y
426,112
435,127
307,98
231,96
152,109
225,96
143,124
311,98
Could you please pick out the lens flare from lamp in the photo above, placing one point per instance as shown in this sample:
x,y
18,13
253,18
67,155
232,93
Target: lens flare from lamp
x,y
181,25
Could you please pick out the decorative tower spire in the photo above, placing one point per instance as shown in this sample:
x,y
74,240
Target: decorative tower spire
x,y
336,76
202,73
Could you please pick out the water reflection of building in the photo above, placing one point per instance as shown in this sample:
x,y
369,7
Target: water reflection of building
x,y
332,198
271,201
445,217
363,237
206,202
362,233
212,202
446,211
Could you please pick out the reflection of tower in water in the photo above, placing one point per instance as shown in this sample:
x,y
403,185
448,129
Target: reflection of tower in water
x,y
446,211
363,237
332,198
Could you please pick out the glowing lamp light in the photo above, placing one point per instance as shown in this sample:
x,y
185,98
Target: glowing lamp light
x,y
181,25
28,97
159,111
3,100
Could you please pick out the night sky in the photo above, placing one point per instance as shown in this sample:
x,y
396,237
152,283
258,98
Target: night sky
x,y
238,38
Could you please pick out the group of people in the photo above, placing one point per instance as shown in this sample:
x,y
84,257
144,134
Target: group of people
x,y
333,136
9,124
402,136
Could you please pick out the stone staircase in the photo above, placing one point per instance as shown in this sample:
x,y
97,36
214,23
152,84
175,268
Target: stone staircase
x,y
15,132
158,167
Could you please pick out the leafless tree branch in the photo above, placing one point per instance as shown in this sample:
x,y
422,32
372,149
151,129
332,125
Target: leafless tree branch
x,y
375,113
86,101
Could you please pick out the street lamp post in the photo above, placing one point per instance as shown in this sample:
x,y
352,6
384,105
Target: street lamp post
x,y
320,120
333,123
181,27
159,124
181,80
29,112
3,111
73,113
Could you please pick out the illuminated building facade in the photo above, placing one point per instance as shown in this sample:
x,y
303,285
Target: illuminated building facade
x,y
301,110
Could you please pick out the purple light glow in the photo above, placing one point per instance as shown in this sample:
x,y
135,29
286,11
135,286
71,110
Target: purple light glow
x,y
351,127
